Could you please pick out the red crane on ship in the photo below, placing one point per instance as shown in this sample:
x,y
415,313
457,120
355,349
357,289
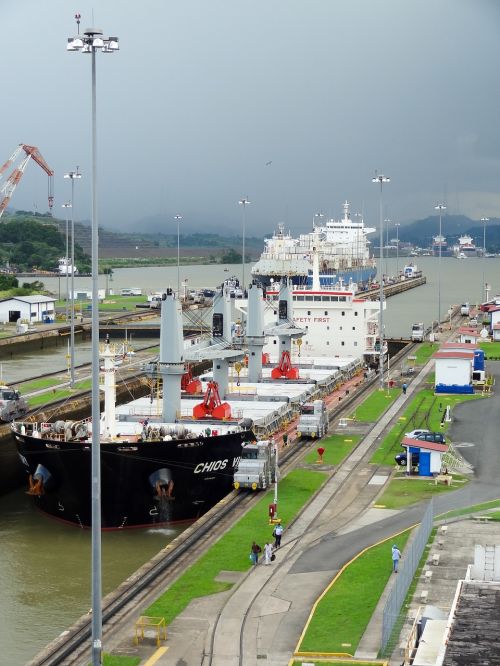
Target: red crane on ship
x,y
7,190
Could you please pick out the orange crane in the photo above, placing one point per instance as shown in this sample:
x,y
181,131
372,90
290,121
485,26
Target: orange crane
x,y
7,190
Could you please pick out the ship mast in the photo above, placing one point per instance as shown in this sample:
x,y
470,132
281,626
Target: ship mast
x,y
108,385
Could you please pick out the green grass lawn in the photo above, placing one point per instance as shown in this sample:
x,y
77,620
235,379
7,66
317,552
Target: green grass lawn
x,y
351,662
491,349
343,614
337,447
232,551
120,660
113,303
475,508
425,351
424,411
58,394
375,405
405,491
39,384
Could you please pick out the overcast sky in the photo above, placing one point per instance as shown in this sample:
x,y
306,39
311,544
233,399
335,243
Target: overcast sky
x,y
291,103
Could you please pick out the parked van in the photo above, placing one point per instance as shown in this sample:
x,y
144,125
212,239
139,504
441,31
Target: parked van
x,y
464,309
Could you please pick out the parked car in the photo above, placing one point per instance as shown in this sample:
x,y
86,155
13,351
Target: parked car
x,y
415,433
432,437
401,459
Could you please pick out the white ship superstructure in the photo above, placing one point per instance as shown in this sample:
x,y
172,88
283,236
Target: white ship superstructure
x,y
336,321
341,245
466,247
65,267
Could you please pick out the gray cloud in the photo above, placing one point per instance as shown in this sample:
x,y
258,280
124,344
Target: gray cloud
x,y
202,95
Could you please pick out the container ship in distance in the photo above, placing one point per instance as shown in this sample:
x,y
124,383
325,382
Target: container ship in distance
x,y
342,247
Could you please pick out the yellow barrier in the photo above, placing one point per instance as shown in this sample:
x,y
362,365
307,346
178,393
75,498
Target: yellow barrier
x,y
157,623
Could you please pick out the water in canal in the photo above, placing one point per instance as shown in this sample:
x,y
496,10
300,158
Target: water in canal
x,y
45,566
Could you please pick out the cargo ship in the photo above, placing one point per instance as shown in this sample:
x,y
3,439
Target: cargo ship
x,y
342,247
156,467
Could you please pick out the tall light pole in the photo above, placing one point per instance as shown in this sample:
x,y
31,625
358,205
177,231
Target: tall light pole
x,y
91,41
387,223
178,219
72,175
379,178
67,205
397,225
440,208
484,220
317,216
243,202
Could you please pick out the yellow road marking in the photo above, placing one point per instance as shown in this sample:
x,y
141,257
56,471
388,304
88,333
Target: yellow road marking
x,y
159,653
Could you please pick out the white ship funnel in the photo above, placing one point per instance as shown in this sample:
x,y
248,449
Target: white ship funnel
x,y
221,320
255,333
171,355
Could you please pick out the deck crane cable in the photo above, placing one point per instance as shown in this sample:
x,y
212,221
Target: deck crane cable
x,y
7,190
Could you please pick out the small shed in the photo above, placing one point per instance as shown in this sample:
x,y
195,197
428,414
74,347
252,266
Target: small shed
x,y
430,455
34,308
453,370
468,335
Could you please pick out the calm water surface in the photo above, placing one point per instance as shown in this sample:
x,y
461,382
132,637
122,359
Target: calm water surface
x,y
45,566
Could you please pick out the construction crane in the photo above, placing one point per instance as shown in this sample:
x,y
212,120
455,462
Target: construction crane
x,y
7,190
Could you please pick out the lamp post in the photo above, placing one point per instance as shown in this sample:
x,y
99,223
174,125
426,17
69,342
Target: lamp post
x,y
178,219
484,220
91,41
440,208
243,202
67,205
317,216
397,225
72,175
387,223
379,178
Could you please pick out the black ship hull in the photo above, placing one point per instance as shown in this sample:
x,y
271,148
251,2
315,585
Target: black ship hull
x,y
142,484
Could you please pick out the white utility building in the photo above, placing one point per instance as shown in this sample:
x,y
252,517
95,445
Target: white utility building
x,y
34,309
454,369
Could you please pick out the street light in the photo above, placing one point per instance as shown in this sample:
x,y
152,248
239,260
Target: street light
x,y
397,225
243,202
379,178
484,220
317,216
72,175
91,41
67,205
441,208
387,223
178,219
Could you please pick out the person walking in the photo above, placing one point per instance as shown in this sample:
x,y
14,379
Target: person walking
x,y
396,556
254,553
278,531
268,552
285,440
404,389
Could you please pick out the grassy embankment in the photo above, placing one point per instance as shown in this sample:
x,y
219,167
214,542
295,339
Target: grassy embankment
x,y
58,394
343,613
337,447
491,350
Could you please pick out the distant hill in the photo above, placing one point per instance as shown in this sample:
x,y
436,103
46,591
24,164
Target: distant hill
x,y
114,244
